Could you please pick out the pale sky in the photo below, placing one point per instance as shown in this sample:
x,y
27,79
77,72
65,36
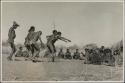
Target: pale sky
x,y
81,22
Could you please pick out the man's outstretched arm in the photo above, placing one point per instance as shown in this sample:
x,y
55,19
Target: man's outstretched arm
x,y
64,39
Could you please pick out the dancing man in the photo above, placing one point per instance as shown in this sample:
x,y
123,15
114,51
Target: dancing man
x,y
51,41
11,37
35,46
28,38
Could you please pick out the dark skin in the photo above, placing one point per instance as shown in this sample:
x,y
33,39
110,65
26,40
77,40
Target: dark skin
x,y
61,38
55,37
68,54
35,46
27,39
12,45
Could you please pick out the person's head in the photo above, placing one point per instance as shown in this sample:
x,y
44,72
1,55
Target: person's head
x,y
77,50
54,32
67,50
15,25
40,32
20,48
32,28
86,49
59,33
102,47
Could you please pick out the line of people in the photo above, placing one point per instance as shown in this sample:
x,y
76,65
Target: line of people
x,y
98,55
69,55
31,42
103,56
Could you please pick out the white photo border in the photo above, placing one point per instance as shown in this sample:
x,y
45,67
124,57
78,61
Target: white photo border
x,y
122,1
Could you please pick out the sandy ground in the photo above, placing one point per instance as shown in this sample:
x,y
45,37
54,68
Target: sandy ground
x,y
61,70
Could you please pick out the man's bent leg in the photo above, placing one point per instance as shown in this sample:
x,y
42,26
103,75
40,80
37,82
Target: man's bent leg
x,y
36,50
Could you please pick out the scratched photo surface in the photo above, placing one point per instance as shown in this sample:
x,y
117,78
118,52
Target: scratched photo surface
x,y
90,47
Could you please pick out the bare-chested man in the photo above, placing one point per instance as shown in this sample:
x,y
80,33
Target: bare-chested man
x,y
51,41
28,39
11,37
35,46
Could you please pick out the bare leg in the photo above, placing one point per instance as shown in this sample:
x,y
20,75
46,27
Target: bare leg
x,y
53,57
36,51
29,50
36,54
12,52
